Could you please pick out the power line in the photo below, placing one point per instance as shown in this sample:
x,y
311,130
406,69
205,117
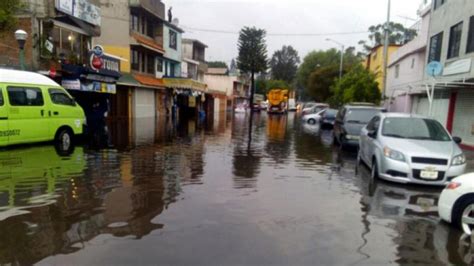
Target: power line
x,y
278,34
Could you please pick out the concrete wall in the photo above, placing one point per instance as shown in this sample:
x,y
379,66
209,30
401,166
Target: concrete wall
x,y
220,83
115,30
442,19
174,54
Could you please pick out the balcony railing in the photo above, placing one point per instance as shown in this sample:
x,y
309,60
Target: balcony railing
x,y
155,7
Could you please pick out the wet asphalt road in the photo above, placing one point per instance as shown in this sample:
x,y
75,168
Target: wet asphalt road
x,y
202,195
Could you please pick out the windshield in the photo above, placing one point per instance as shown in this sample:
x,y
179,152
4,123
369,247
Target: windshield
x,y
330,113
414,128
361,116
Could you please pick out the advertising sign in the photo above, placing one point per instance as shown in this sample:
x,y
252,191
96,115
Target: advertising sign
x,y
81,9
103,64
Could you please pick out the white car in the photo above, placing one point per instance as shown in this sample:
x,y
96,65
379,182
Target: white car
x,y
456,203
313,118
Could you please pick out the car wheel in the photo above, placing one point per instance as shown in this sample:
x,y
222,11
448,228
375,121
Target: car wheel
x,y
374,173
463,217
311,121
64,140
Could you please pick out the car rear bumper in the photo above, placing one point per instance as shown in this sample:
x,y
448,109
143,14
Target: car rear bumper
x,y
403,172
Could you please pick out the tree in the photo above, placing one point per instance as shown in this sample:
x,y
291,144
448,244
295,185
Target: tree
x,y
284,64
320,69
8,9
358,85
397,34
217,64
252,53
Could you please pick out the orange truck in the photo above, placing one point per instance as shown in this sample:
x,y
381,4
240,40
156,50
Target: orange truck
x,y
277,101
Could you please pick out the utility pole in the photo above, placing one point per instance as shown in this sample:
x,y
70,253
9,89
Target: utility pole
x,y
385,52
342,55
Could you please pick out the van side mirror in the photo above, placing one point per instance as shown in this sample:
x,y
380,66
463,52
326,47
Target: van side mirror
x,y
457,140
372,134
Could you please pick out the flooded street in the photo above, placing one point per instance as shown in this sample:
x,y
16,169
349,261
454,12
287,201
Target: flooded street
x,y
199,194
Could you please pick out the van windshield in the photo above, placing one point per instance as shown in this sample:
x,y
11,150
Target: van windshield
x,y
361,116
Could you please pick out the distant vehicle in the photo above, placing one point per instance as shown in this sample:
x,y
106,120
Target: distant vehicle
x,y
34,108
313,118
257,102
456,203
406,148
292,105
328,117
277,101
314,108
350,120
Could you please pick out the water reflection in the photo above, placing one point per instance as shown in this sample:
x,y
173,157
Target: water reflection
x,y
195,194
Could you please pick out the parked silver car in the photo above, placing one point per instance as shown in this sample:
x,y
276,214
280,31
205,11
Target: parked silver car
x,y
407,148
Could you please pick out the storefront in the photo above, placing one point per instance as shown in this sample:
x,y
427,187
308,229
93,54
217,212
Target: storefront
x,y
189,98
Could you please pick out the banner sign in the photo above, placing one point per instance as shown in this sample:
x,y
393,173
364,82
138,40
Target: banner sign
x,y
93,86
81,9
103,64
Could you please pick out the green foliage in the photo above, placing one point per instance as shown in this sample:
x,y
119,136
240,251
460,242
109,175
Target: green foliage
x,y
252,50
217,64
284,64
263,86
358,85
320,69
397,34
8,9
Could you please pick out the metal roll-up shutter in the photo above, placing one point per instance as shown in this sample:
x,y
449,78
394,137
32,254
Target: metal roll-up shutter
x,y
144,103
463,125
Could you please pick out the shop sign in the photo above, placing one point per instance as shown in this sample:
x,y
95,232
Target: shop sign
x,y
81,9
71,84
99,87
95,86
458,67
100,63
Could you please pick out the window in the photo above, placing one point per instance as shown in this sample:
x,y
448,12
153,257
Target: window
x,y
454,40
438,3
414,128
397,71
374,124
25,96
134,22
413,63
150,64
135,65
159,65
172,69
470,37
435,47
142,61
173,40
60,97
1,98
150,28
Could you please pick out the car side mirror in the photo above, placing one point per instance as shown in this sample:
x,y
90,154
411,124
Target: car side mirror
x,y
372,134
457,140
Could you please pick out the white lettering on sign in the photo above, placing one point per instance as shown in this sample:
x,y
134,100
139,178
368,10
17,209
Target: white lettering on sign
x,y
111,65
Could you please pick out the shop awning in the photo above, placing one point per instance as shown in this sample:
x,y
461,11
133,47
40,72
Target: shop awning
x,y
180,83
127,80
149,81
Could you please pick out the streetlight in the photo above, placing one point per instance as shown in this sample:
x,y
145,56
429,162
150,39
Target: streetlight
x,y
342,54
20,36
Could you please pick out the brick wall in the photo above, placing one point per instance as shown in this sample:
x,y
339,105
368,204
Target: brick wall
x,y
9,51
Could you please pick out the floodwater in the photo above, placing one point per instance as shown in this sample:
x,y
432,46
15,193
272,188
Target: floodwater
x,y
211,194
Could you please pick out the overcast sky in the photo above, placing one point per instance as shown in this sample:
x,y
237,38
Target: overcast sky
x,y
283,17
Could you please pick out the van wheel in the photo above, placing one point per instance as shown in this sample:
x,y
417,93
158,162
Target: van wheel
x,y
311,121
64,139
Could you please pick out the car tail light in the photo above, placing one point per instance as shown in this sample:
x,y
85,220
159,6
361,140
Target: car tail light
x,y
453,185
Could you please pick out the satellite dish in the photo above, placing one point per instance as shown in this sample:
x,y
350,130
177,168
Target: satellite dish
x,y
175,21
434,69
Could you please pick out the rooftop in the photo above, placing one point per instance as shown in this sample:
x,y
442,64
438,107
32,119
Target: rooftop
x,y
195,41
217,71
23,77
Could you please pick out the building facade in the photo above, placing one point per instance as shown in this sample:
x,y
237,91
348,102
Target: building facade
x,y
407,66
451,42
375,62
